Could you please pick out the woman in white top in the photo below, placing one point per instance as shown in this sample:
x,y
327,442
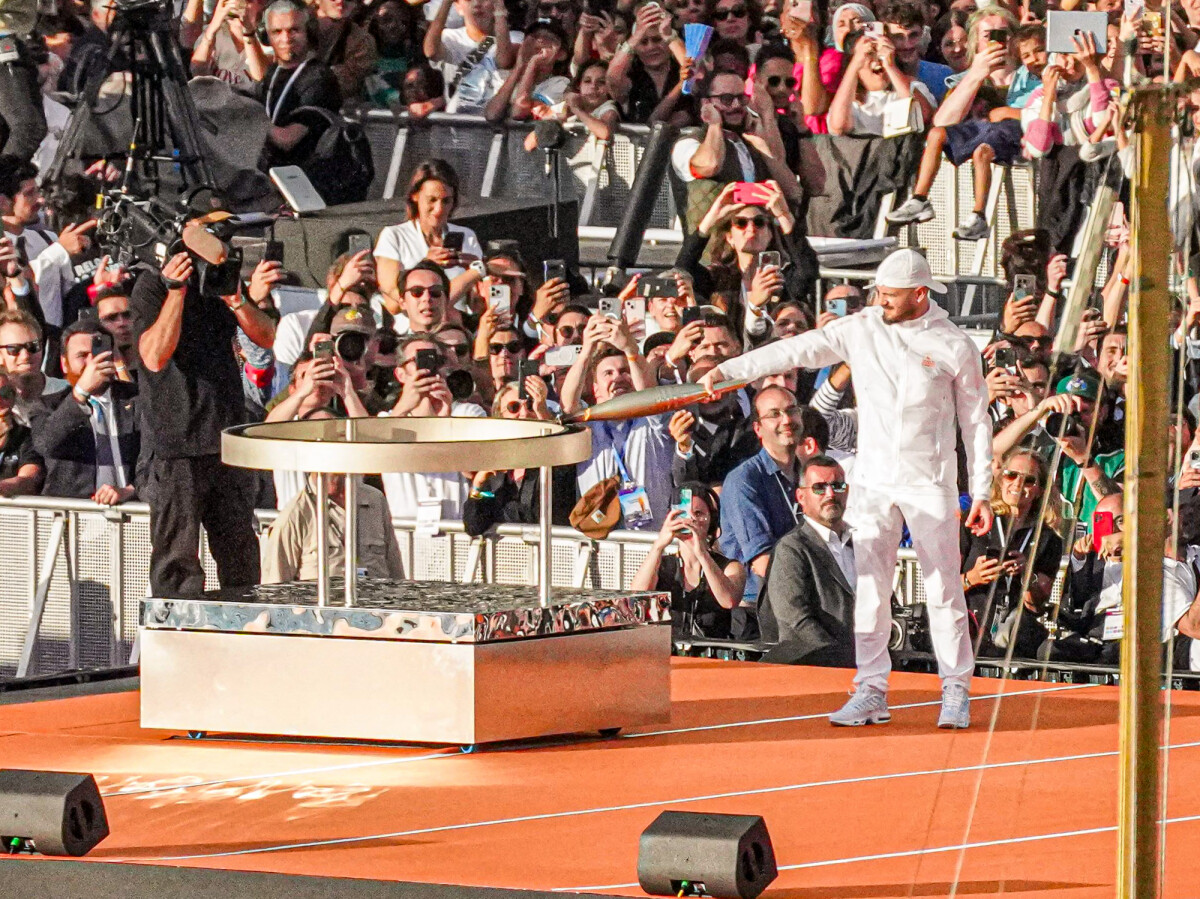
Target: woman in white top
x,y
432,197
871,81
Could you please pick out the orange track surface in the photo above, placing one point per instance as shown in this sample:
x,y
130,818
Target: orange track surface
x,y
829,796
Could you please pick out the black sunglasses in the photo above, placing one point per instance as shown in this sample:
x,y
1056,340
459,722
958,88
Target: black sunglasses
x,y
786,80
419,290
758,221
14,349
735,12
513,346
838,487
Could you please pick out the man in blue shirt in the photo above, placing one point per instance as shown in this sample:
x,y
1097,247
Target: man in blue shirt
x,y
757,502
905,24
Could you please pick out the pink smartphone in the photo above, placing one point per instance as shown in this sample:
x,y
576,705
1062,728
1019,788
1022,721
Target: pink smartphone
x,y
748,193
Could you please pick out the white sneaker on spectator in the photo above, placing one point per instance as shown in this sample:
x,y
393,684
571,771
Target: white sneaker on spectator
x,y
912,210
974,227
868,705
956,708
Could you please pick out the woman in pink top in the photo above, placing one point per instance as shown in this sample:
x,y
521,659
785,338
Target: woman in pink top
x,y
824,66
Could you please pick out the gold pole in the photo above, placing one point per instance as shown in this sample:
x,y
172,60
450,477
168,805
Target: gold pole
x,y
1146,399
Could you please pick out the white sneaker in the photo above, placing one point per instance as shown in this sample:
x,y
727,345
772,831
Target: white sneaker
x,y
956,708
974,227
868,705
912,210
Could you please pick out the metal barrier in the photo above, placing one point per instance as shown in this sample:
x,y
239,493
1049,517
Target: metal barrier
x,y
72,574
492,162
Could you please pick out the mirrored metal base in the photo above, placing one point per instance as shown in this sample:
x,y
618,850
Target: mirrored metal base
x,y
414,662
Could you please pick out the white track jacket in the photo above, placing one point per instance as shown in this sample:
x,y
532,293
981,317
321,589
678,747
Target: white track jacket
x,y
912,379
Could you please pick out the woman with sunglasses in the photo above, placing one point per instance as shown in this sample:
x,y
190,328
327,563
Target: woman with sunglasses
x,y
514,496
645,67
994,564
704,585
736,20
741,233
818,65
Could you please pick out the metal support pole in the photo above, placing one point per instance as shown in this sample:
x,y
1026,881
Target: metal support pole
x,y
351,589
58,530
322,498
1146,402
351,527
545,521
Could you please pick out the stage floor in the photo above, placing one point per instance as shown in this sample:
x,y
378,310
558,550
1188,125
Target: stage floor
x,y
869,812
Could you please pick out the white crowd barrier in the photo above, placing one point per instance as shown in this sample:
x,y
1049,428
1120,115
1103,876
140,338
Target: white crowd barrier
x,y
72,574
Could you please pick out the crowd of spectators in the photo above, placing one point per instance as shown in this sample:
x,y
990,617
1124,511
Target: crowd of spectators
x,y
115,384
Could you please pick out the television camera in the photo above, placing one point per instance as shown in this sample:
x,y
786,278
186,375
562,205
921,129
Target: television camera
x,y
150,231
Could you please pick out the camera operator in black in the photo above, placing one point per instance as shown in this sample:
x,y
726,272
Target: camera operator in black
x,y
191,390
20,97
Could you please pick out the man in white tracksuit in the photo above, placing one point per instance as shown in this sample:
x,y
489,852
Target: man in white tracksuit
x,y
914,373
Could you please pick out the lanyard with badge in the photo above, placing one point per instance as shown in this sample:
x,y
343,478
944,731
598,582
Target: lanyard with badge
x,y
635,503
789,498
274,113
1004,621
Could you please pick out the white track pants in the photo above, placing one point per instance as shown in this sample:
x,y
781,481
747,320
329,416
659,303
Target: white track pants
x,y
933,522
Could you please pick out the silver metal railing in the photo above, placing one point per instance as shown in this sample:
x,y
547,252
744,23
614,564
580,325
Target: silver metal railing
x,y
491,161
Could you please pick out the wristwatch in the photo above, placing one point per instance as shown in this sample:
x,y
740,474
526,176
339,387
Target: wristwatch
x,y
479,267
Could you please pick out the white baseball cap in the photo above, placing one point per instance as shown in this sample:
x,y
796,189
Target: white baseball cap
x,y
907,268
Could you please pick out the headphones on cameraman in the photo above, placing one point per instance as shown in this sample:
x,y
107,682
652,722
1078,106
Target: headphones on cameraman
x,y
311,31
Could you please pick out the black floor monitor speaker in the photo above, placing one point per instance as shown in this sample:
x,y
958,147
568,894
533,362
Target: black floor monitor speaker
x,y
698,854
59,813
312,242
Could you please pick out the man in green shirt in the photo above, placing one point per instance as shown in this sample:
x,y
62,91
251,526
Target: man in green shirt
x,y
20,98
1101,474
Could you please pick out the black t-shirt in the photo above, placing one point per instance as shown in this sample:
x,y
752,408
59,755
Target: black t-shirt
x,y
16,449
643,93
199,392
695,612
283,91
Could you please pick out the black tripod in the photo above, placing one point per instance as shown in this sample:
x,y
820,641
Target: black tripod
x,y
165,122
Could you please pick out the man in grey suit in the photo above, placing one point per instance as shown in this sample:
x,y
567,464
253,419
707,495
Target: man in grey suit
x,y
807,604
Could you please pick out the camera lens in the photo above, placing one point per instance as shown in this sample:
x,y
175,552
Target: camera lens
x,y
1066,425
350,345
389,340
461,384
